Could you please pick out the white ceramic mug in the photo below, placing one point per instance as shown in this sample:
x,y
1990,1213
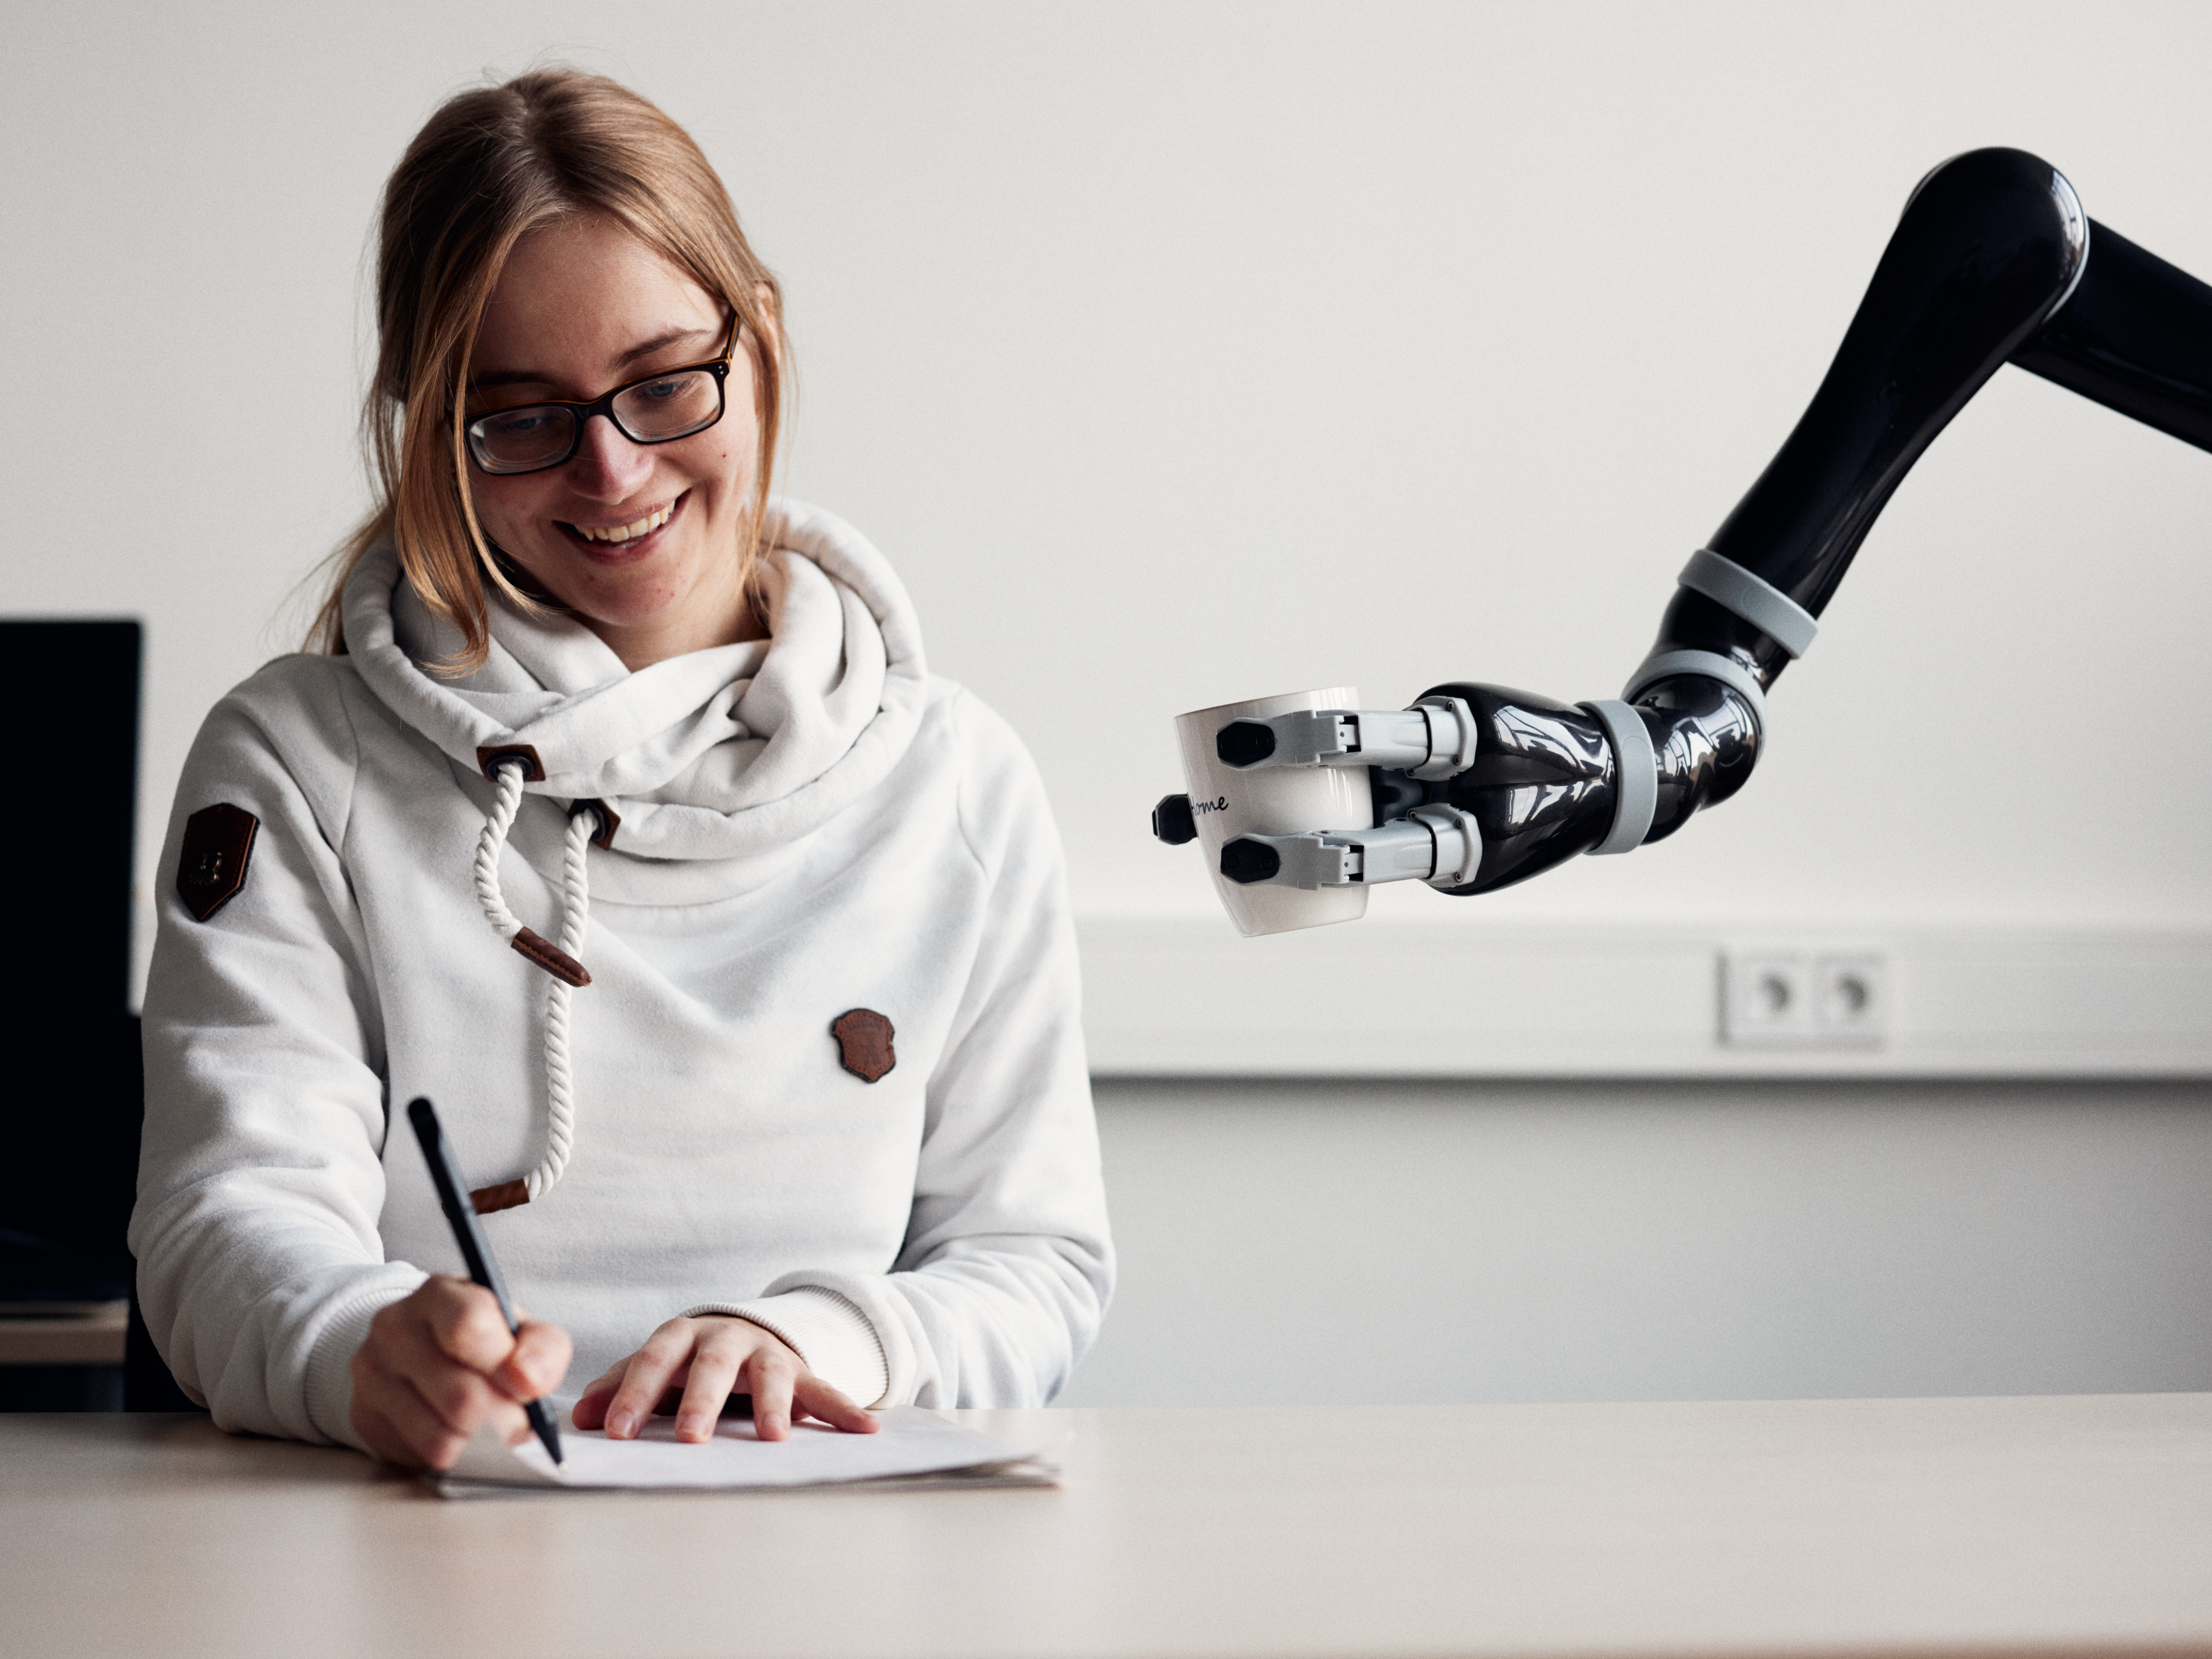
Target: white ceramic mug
x,y
1226,802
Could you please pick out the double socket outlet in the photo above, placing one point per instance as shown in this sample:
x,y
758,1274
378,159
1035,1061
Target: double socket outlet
x,y
1803,997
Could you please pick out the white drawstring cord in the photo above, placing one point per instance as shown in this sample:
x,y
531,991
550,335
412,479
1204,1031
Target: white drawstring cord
x,y
560,1083
561,961
506,780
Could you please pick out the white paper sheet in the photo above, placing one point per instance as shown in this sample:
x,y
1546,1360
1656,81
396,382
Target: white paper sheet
x,y
913,1445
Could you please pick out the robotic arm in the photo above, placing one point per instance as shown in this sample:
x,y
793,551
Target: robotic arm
x,y
1477,787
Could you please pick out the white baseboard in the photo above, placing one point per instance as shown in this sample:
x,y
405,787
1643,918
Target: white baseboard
x,y
1178,998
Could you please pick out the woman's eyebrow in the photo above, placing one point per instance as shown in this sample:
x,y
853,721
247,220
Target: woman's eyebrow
x,y
661,343
644,348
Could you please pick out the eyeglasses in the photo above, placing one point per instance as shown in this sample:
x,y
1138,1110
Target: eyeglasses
x,y
657,410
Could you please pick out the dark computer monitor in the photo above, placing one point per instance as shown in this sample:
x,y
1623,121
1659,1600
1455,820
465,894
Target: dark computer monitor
x,y
71,1092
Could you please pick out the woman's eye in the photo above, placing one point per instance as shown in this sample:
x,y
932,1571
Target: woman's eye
x,y
518,422
661,391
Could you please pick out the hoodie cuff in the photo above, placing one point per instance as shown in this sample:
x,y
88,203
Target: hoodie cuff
x,y
329,1393
831,1337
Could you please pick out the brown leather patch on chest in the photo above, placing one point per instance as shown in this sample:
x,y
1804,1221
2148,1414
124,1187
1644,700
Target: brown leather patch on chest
x,y
864,1042
211,868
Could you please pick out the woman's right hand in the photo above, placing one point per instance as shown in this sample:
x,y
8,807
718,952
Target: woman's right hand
x,y
440,1363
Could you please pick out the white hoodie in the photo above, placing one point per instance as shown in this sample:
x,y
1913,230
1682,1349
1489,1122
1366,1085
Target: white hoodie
x,y
807,825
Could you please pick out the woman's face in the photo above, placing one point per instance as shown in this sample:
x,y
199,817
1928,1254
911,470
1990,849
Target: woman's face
x,y
640,541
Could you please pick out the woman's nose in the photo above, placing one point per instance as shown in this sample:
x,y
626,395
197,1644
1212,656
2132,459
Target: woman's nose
x,y
606,463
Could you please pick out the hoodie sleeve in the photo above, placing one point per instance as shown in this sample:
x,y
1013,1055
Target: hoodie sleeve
x,y
1008,1264
260,1176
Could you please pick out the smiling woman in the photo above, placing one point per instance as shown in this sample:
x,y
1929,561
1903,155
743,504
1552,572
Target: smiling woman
x,y
539,238
626,527
788,1099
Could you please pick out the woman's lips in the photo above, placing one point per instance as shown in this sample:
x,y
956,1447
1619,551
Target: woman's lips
x,y
631,548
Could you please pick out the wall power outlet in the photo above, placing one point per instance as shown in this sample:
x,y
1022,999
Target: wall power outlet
x,y
1803,997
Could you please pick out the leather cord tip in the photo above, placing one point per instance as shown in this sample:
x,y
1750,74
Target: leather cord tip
x,y
551,957
504,1196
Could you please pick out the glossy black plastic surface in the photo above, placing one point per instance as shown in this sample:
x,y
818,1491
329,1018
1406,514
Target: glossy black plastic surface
x,y
1173,821
1705,739
1541,787
1244,743
1245,861
2135,337
1394,793
1988,243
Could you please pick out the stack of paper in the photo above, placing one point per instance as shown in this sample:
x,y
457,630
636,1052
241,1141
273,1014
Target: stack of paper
x,y
913,1447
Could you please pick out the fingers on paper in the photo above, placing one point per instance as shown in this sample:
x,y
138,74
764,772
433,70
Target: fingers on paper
x,y
663,1362
817,1399
693,1366
590,1411
772,1372
706,1389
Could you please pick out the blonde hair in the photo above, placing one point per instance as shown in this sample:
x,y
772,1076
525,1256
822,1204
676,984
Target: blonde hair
x,y
489,166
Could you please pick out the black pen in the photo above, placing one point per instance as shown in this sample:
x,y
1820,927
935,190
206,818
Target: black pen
x,y
468,1233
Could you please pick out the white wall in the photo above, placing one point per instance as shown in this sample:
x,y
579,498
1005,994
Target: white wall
x,y
1184,352
1574,1000
1352,1244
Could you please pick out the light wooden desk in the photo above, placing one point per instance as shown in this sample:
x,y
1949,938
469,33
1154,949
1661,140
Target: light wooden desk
x,y
1834,1527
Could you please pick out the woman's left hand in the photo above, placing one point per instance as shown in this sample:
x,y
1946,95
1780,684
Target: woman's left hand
x,y
710,1357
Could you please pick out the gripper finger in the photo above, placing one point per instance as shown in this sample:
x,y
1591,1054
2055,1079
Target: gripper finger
x,y
1439,845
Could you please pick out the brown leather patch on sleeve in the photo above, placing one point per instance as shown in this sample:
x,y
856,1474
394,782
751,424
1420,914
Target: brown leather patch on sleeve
x,y
211,867
504,1196
864,1042
551,957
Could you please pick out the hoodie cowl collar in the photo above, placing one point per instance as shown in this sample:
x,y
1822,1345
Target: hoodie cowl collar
x,y
715,754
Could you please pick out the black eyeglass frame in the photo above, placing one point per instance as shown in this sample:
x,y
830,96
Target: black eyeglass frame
x,y
718,367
